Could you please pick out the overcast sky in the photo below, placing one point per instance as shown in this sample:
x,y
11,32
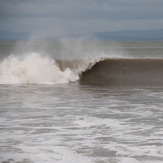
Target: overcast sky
x,y
61,17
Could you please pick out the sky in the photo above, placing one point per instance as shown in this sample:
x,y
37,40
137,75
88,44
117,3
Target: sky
x,y
58,18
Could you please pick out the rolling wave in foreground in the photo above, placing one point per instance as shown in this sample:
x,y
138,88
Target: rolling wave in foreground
x,y
36,69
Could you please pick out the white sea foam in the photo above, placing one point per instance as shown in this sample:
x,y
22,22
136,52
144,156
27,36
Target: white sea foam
x,y
34,69
69,124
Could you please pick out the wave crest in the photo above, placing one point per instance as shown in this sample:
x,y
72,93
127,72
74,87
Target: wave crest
x,y
34,69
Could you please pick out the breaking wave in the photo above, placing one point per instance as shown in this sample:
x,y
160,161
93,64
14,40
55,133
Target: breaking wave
x,y
126,72
37,69
34,69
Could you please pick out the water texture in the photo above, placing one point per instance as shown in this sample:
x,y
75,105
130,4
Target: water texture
x,y
61,117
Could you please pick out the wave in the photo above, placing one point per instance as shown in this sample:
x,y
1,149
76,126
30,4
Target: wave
x,y
34,69
37,69
126,72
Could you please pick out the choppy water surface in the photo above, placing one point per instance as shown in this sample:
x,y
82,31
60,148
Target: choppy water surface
x,y
76,123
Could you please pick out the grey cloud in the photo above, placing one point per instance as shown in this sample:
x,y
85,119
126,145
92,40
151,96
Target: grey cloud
x,y
76,16
86,9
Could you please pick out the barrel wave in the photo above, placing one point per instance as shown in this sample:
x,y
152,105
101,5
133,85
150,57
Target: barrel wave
x,y
126,72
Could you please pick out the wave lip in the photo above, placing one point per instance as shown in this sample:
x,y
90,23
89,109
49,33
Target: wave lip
x,y
126,72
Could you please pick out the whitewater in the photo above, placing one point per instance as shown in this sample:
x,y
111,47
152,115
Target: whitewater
x,y
33,69
81,102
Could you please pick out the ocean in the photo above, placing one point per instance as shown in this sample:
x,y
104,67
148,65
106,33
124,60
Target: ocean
x,y
81,102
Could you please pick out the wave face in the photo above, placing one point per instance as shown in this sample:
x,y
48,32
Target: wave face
x,y
128,72
34,69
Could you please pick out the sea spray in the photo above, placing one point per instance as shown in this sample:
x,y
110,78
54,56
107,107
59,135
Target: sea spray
x,y
34,69
41,62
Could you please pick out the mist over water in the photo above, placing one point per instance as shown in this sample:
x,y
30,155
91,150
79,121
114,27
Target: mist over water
x,y
63,49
